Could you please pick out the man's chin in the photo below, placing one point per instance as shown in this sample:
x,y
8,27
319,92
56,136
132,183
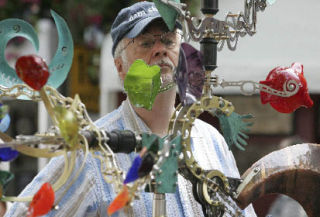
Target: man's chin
x,y
166,86
167,69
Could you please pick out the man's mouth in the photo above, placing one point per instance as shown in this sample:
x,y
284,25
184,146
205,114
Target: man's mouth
x,y
164,65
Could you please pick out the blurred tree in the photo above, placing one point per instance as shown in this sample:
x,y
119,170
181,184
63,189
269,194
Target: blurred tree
x,y
79,14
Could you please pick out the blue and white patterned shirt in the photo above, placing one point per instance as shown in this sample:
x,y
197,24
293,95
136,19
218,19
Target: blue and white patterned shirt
x,y
90,195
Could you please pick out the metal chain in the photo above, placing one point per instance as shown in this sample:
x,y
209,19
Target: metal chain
x,y
226,200
109,165
290,87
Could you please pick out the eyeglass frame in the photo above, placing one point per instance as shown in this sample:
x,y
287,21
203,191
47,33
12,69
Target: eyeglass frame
x,y
177,31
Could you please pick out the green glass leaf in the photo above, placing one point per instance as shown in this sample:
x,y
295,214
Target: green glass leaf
x,y
151,142
61,62
142,83
166,180
168,13
9,29
68,125
4,109
234,127
5,178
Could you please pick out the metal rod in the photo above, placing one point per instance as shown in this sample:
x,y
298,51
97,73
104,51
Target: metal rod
x,y
209,6
159,205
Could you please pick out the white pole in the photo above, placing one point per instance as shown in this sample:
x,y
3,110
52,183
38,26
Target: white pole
x,y
48,44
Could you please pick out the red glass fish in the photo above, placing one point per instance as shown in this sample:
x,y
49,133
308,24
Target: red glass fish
x,y
33,70
120,201
276,79
42,201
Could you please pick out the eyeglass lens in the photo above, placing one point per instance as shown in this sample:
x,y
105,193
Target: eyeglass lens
x,y
168,39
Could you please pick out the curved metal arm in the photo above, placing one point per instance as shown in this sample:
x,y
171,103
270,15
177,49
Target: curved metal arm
x,y
294,171
229,30
290,87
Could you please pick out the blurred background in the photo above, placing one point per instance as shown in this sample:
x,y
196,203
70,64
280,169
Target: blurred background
x,y
287,32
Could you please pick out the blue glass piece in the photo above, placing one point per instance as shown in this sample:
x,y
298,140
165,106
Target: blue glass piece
x,y
132,174
5,123
271,2
62,60
8,154
9,29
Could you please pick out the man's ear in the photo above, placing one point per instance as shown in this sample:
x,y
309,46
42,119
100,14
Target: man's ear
x,y
119,65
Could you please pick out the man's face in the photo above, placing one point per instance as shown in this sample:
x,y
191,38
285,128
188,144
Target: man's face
x,y
155,46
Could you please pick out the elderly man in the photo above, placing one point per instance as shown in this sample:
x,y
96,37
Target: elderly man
x,y
138,33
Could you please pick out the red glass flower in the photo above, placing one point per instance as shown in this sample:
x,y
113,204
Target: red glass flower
x,y
42,201
120,201
33,70
276,80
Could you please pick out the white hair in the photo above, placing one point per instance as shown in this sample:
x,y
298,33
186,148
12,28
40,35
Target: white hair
x,y
121,52
120,47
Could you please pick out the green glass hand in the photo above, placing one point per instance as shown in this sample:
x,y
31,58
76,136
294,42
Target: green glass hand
x,y
142,83
234,128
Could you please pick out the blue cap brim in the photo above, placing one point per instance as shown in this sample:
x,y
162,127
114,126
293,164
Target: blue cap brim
x,y
140,26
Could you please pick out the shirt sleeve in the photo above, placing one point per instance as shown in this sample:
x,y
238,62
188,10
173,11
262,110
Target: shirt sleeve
x,y
79,198
220,156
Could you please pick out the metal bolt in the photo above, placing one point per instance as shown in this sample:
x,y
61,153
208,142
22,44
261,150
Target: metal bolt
x,y
221,103
156,167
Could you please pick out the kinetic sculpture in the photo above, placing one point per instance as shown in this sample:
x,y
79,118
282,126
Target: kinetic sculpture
x,y
159,159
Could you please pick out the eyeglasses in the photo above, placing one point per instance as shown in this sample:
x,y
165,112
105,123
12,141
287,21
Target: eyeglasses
x,y
146,41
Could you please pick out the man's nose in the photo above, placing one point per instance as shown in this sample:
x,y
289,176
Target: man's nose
x,y
159,49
